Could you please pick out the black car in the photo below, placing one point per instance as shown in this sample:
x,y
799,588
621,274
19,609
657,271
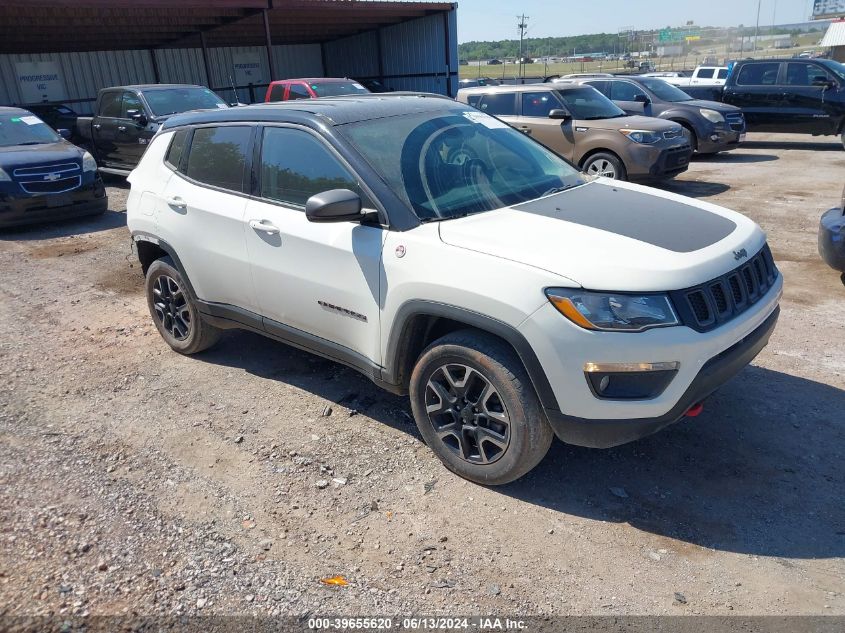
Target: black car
x,y
832,237
711,126
57,115
42,176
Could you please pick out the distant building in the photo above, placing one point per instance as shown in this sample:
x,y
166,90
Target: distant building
x,y
835,40
670,50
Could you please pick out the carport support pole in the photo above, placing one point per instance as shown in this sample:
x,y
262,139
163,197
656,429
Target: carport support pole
x,y
269,44
448,51
205,62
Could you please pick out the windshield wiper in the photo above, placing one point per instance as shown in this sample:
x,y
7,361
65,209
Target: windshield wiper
x,y
560,189
35,143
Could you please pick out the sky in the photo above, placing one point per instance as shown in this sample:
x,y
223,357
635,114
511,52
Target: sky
x,y
496,19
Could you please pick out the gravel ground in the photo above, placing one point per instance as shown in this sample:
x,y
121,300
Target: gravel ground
x,y
137,481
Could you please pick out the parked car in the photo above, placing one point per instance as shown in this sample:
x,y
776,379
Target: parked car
x,y
478,81
701,76
710,126
832,237
58,116
584,127
312,88
127,117
448,258
580,76
799,96
43,176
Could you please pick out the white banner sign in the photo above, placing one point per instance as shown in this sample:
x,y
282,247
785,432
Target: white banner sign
x,y
40,81
828,8
247,68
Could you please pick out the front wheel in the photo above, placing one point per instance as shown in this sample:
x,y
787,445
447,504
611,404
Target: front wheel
x,y
605,164
477,410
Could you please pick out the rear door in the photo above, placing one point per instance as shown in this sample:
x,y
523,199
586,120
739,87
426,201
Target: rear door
x,y
808,105
556,134
204,208
104,127
757,92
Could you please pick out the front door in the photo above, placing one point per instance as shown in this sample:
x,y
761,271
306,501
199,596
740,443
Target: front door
x,y
556,134
624,94
313,278
104,127
131,137
806,102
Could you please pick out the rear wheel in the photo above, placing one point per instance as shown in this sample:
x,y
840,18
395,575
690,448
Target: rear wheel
x,y
605,164
476,408
174,312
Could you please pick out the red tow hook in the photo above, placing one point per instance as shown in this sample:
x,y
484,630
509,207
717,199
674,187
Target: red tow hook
x,y
695,410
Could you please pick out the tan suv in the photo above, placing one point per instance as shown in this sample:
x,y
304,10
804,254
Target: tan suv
x,y
585,127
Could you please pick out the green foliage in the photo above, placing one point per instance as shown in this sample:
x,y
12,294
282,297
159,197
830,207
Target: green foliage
x,y
537,47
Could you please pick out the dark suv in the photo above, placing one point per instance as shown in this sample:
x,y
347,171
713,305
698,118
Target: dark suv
x,y
711,126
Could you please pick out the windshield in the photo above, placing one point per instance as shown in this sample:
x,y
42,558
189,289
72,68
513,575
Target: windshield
x,y
172,100
664,90
338,89
835,67
451,165
25,129
587,103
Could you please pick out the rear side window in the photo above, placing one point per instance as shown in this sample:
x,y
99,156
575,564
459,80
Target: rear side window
x,y
473,100
298,91
499,104
277,92
602,86
723,73
762,74
218,156
295,166
177,147
706,73
539,104
110,104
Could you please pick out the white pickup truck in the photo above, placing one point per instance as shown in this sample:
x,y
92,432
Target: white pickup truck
x,y
701,76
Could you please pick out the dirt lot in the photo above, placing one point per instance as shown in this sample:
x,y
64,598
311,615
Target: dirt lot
x,y
134,480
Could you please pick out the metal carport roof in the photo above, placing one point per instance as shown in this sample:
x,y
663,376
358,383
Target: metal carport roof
x,y
835,35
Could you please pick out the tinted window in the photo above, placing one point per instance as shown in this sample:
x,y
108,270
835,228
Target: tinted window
x,y
131,101
805,74
298,91
706,73
602,86
588,103
763,74
723,73
473,100
538,104
171,100
664,90
218,156
338,88
624,91
295,166
499,104
277,92
110,104
177,145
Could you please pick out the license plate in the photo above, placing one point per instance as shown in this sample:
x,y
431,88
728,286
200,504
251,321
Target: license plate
x,y
59,200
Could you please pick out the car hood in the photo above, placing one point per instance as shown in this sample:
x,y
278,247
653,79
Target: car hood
x,y
712,105
635,122
610,235
21,155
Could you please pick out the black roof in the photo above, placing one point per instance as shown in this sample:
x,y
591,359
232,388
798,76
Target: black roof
x,y
334,111
151,87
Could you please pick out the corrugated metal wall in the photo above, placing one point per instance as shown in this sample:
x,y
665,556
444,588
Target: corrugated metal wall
x,y
413,58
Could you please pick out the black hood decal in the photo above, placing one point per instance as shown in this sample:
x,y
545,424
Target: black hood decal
x,y
672,225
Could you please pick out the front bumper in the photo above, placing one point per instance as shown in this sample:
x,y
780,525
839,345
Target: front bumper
x,y
88,199
832,239
648,162
725,140
714,373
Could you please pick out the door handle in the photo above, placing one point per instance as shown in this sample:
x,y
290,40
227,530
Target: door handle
x,y
177,203
96,126
264,225
121,128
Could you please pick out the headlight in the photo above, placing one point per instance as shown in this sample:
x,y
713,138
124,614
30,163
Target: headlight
x,y
613,311
642,136
4,177
712,115
88,162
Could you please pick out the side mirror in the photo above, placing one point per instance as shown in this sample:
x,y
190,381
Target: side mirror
x,y
642,99
65,133
336,205
138,116
559,113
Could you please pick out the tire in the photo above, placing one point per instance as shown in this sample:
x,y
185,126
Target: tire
x,y
691,136
174,310
454,373
605,164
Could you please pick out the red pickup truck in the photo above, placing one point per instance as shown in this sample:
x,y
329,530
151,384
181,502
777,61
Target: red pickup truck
x,y
312,88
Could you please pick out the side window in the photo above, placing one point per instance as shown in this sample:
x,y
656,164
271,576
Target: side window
x,y
473,100
706,73
277,92
805,74
131,101
539,104
177,147
624,91
298,91
602,86
499,104
110,104
723,73
295,166
218,156
761,74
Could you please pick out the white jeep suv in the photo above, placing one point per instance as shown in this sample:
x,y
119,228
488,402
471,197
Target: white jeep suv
x,y
448,256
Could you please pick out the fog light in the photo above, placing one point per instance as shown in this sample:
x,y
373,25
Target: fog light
x,y
629,381
714,137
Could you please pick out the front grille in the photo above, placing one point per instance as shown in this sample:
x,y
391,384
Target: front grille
x,y
44,179
711,304
736,121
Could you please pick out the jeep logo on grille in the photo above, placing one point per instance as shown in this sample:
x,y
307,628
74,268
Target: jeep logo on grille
x,y
740,254
52,177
